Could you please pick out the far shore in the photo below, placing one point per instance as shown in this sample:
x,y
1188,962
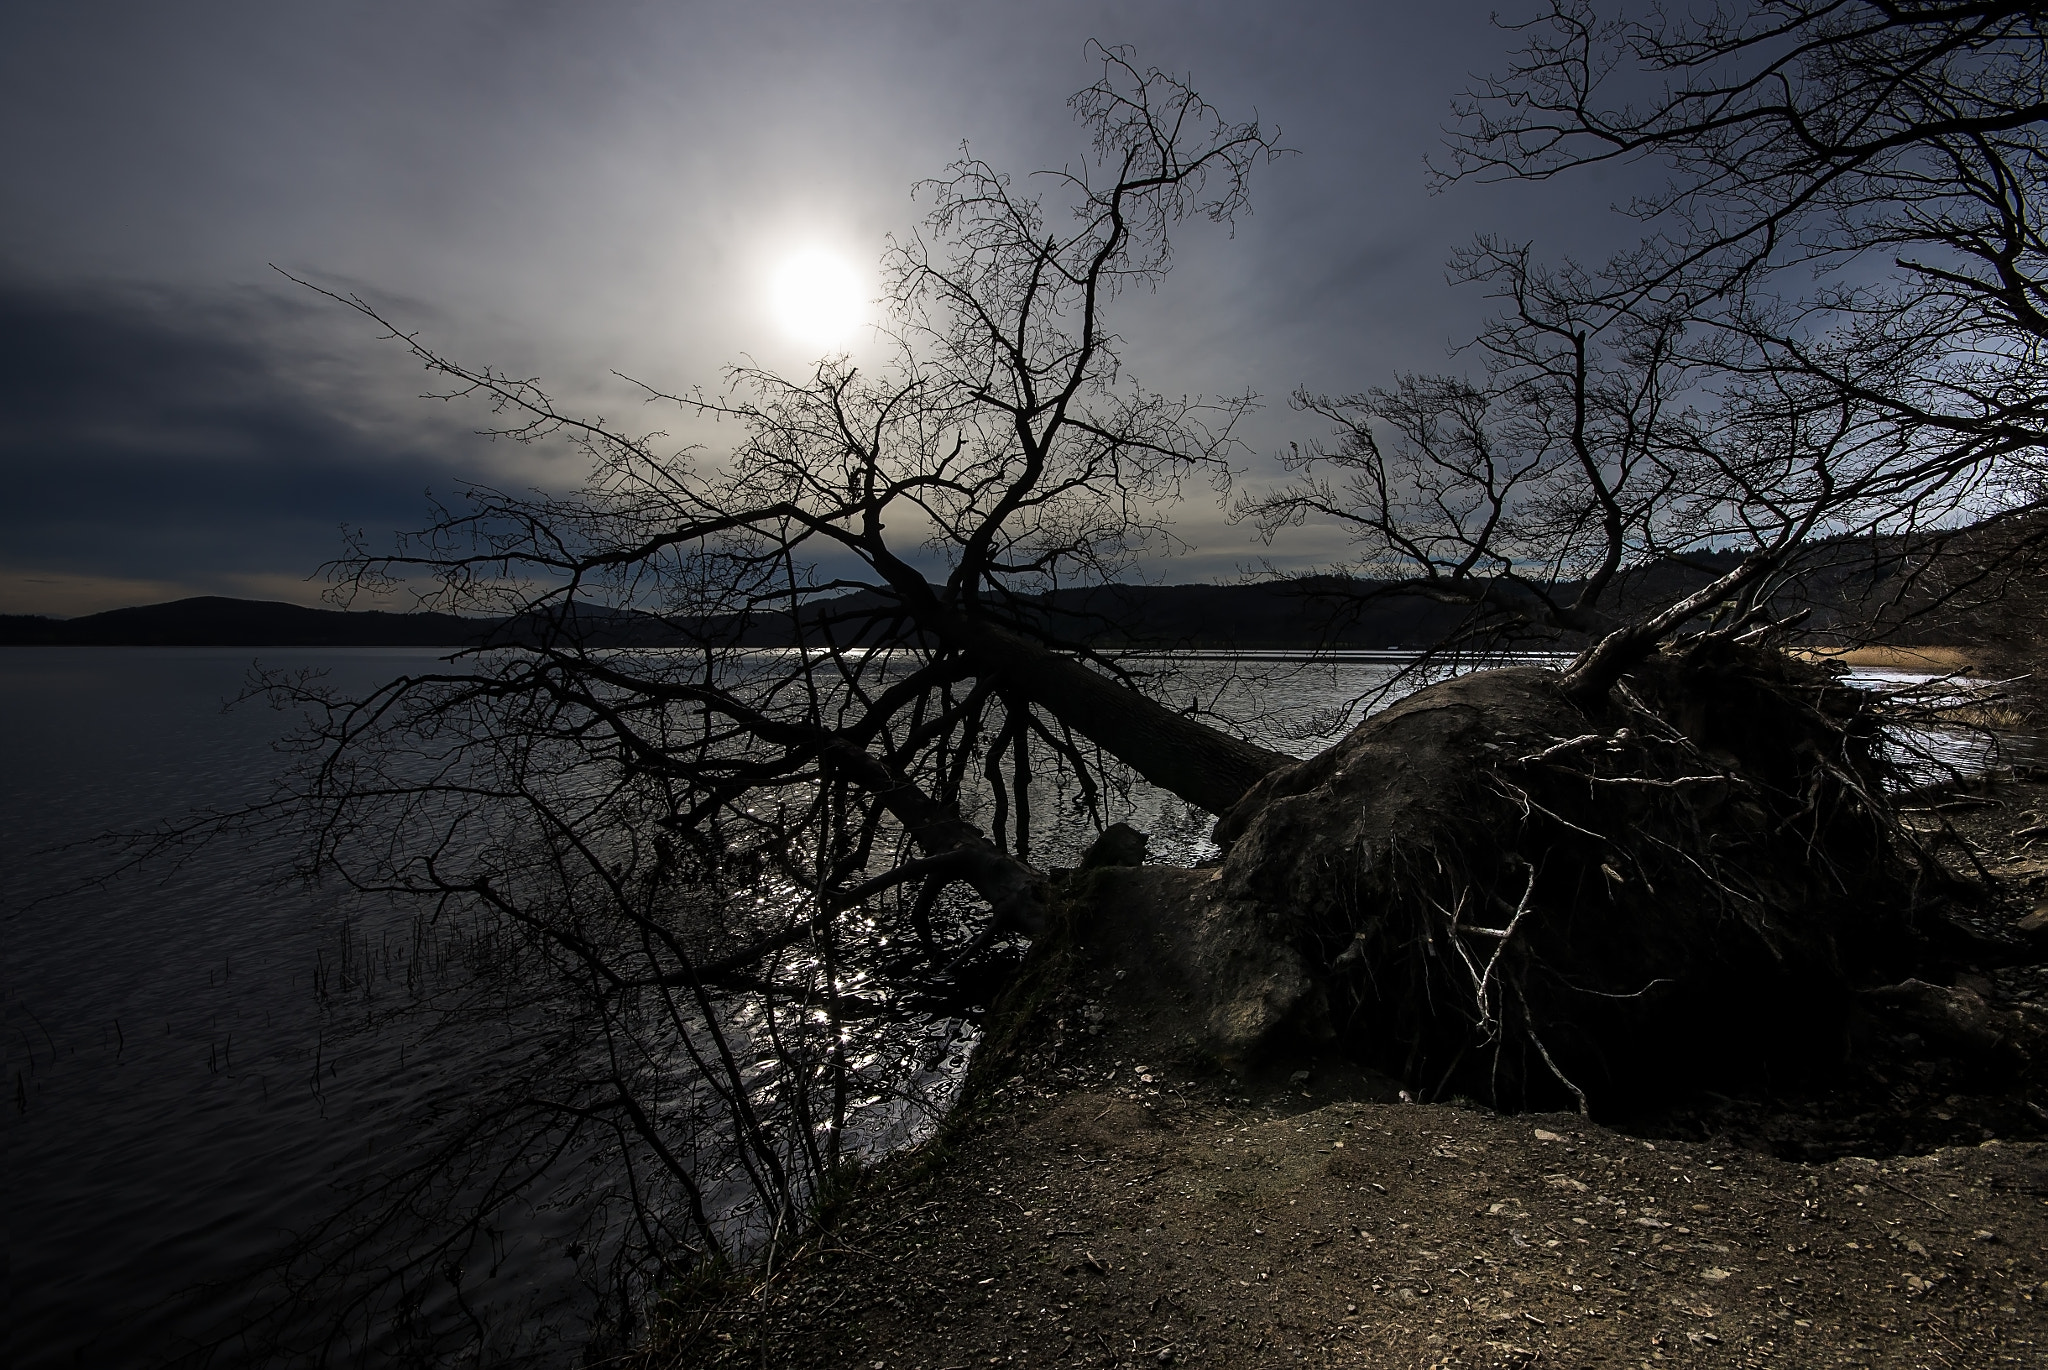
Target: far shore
x,y
1898,658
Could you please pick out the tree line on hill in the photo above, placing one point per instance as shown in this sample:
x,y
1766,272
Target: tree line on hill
x,y
1982,587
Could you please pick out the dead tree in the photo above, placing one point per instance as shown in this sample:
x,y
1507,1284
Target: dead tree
x,y
741,850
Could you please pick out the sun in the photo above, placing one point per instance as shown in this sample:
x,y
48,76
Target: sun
x,y
817,298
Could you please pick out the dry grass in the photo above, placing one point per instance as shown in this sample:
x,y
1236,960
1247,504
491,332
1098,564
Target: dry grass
x,y
1898,658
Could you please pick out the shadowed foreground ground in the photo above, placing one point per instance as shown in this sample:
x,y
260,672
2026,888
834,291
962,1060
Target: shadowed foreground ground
x,y
1124,1226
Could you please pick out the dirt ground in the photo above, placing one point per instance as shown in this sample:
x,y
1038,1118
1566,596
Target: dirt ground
x,y
1113,1199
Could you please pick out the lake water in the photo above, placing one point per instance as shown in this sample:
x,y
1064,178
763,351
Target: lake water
x,y
181,1101
165,1127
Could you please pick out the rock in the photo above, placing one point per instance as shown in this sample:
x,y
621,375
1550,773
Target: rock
x,y
1119,845
1223,981
1242,984
2035,923
1953,1016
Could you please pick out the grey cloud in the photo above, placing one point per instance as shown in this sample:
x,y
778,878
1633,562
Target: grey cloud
x,y
140,432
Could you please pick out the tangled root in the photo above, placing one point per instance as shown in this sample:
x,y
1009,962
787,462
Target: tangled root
x,y
1504,895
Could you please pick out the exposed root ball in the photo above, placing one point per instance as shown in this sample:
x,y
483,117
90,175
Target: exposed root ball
x,y
1497,893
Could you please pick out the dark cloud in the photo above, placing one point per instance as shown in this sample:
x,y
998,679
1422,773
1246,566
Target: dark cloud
x,y
144,435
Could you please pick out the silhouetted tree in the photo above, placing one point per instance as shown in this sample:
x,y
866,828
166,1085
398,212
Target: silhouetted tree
x,y
748,867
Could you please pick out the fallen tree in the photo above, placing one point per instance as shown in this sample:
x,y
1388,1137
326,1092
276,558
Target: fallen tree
x,y
1675,857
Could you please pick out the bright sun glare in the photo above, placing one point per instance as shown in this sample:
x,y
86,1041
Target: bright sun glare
x,y
817,298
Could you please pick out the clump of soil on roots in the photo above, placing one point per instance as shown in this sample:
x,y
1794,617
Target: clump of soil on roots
x,y
1492,891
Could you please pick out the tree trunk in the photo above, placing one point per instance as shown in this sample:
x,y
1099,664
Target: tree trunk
x,y
1203,765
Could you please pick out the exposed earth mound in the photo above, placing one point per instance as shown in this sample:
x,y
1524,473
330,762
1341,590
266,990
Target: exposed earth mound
x,y
1490,890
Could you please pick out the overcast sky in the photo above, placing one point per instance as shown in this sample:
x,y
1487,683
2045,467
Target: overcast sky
x,y
566,189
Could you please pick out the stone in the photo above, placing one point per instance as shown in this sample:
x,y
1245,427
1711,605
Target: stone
x,y
1953,1016
1119,845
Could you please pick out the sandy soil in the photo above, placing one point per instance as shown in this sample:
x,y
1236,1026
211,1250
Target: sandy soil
x,y
1112,1200
1124,1226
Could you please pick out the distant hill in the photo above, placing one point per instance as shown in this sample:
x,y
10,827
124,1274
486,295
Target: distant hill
x,y
1279,614
1309,612
215,621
